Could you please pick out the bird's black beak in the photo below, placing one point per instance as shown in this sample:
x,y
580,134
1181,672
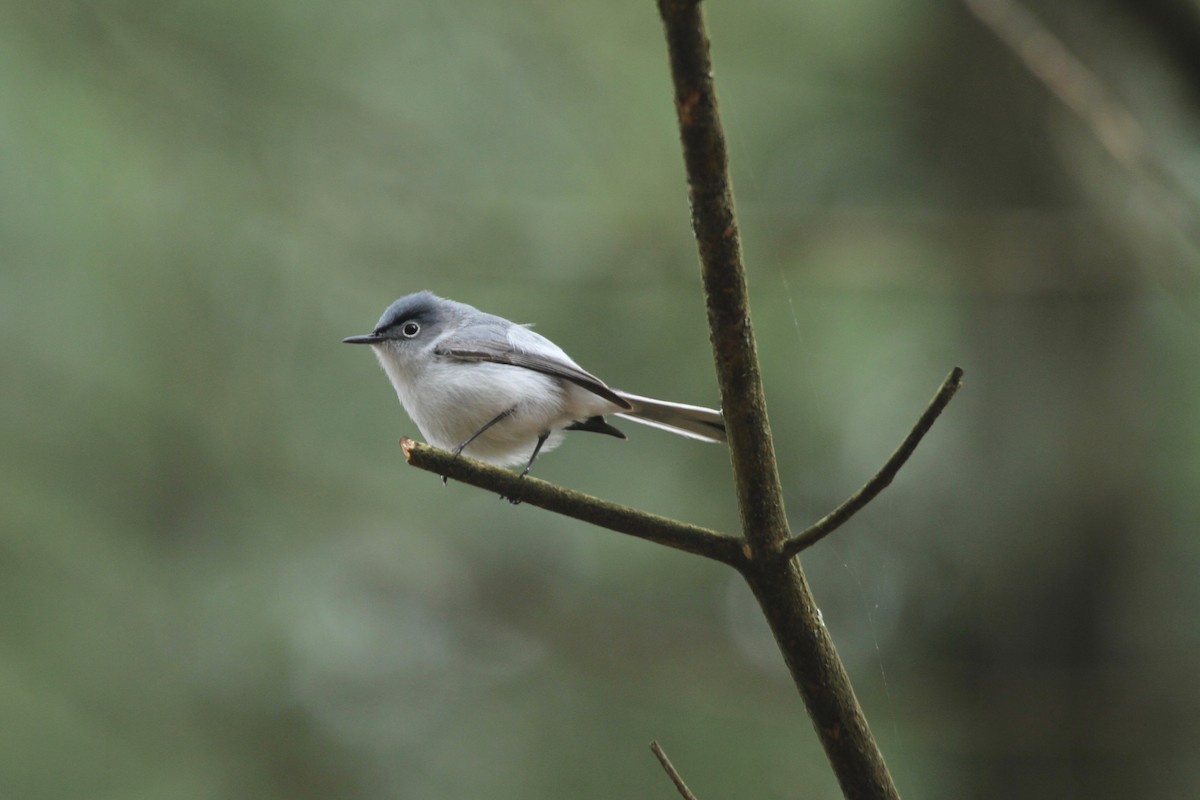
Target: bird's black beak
x,y
370,338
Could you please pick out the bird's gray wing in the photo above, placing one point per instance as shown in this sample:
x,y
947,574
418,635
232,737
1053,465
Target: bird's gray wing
x,y
503,353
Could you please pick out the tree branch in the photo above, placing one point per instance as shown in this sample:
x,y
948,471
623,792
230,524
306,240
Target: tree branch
x,y
651,527
759,492
777,582
840,515
672,773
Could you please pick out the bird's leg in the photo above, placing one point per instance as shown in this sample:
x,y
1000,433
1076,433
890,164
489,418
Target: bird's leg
x,y
537,448
502,415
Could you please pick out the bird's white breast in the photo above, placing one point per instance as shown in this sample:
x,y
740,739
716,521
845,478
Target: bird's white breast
x,y
450,400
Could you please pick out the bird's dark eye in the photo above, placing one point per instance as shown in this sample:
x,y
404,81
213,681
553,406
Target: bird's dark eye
x,y
410,329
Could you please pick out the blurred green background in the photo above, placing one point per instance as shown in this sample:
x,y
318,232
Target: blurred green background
x,y
218,579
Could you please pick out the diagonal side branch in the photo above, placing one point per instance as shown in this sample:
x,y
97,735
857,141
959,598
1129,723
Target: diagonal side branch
x,y
840,515
651,527
672,773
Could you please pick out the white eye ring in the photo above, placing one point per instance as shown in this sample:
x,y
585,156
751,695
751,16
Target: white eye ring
x,y
410,330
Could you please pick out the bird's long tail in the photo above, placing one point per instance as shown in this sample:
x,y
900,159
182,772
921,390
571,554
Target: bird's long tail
x,y
695,422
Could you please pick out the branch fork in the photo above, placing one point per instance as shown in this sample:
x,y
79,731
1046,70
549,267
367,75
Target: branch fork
x,y
694,539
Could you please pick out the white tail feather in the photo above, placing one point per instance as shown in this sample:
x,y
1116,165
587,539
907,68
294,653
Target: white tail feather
x,y
694,422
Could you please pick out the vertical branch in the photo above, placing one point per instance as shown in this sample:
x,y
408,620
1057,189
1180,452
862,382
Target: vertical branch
x,y
760,496
777,581
783,594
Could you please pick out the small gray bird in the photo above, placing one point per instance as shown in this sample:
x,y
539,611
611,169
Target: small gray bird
x,y
478,384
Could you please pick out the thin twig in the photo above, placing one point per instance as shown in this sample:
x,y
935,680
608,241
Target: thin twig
x,y
672,773
651,527
840,515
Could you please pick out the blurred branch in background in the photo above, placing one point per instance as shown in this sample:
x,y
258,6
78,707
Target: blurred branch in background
x,y
1112,123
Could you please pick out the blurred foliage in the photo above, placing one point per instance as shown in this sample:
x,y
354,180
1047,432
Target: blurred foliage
x,y
218,579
